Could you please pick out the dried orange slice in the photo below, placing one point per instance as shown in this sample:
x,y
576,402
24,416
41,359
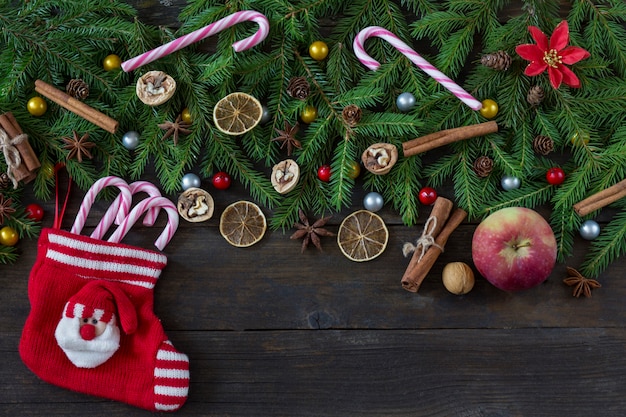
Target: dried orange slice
x,y
362,236
242,224
237,113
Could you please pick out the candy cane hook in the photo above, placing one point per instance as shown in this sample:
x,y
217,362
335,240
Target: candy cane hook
x,y
135,188
406,50
90,197
205,32
143,206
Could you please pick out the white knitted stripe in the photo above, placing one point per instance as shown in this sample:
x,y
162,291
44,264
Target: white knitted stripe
x,y
171,373
103,265
165,355
167,407
78,310
170,391
126,252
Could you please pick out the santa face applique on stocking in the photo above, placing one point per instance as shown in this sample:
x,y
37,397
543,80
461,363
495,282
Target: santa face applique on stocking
x,y
92,327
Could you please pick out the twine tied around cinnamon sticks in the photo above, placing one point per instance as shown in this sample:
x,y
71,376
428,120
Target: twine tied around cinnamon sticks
x,y
439,230
19,155
425,241
447,136
601,199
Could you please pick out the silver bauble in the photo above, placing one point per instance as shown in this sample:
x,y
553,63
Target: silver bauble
x,y
189,181
405,102
589,230
509,182
130,140
373,201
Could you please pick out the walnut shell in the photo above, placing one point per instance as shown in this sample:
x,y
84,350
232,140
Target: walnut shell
x,y
285,176
155,87
195,205
379,158
458,278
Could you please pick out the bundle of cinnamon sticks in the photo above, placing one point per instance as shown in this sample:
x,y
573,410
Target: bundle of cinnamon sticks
x,y
21,160
424,258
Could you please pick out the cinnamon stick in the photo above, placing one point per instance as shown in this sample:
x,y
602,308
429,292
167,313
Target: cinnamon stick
x,y
20,172
76,106
416,273
601,199
13,129
445,137
441,211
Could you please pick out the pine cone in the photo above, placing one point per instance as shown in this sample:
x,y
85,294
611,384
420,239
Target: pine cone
x,y
543,145
483,166
5,181
298,87
351,115
77,88
535,95
498,60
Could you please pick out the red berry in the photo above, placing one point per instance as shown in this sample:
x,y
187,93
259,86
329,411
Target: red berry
x,y
555,176
323,173
427,196
221,180
34,212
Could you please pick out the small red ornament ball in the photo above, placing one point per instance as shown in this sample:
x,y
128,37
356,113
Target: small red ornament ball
x,y
427,196
323,173
555,176
221,180
34,212
8,236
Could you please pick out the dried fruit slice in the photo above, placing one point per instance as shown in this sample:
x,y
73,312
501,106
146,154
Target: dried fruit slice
x,y
362,236
237,113
242,224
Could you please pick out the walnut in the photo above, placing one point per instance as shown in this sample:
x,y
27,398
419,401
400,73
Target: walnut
x,y
155,87
379,158
285,176
195,205
458,278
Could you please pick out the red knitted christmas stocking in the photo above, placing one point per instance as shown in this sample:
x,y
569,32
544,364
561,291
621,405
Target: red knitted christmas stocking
x,y
92,328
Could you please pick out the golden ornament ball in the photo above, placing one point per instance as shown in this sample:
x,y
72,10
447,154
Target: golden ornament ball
x,y
458,278
111,62
489,110
580,138
37,106
308,115
354,169
318,50
186,115
8,236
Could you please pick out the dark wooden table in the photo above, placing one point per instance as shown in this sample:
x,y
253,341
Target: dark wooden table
x,y
272,332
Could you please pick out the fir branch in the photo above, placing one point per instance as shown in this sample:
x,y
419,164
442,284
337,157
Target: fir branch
x,y
606,248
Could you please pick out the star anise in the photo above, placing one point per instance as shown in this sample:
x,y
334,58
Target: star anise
x,y
310,232
78,146
288,137
581,284
175,128
5,208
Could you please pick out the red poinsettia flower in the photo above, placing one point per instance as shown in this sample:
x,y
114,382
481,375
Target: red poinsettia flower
x,y
552,55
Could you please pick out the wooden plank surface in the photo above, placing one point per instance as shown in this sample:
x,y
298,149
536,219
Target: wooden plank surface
x,y
272,332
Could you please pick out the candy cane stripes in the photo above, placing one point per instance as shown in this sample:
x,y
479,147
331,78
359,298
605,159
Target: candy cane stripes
x,y
90,197
195,36
406,50
139,210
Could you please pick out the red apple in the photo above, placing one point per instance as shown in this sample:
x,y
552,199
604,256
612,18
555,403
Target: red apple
x,y
514,248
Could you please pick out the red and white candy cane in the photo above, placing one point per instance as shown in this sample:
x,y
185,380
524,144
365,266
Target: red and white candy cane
x,y
406,50
90,197
205,32
137,211
135,187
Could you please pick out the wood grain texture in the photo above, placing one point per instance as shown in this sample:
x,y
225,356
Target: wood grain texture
x,y
272,332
